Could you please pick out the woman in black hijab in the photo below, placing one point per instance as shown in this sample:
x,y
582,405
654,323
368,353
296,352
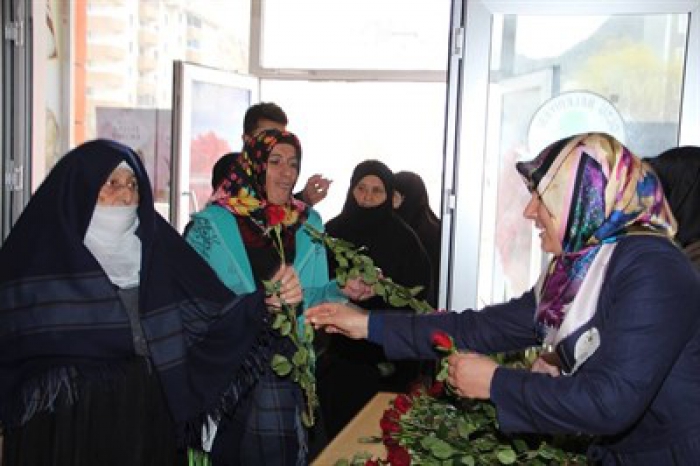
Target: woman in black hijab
x,y
351,372
411,203
117,341
679,171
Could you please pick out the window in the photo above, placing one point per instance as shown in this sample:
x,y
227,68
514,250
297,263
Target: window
x,y
356,34
141,83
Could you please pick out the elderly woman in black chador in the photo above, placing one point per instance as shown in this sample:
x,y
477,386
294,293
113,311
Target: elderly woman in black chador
x,y
117,341
351,372
412,204
679,171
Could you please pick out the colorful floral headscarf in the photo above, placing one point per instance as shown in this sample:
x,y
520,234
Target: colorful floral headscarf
x,y
243,193
596,191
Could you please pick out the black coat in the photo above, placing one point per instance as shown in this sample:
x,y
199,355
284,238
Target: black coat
x,y
351,371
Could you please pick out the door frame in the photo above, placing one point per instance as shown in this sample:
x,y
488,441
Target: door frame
x,y
468,131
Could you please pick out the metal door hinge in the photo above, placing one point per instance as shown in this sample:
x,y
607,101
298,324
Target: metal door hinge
x,y
14,31
458,42
451,203
14,176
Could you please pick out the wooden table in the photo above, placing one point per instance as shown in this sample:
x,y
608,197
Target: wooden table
x,y
364,424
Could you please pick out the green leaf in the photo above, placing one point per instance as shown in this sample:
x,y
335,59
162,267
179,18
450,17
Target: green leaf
x,y
307,419
546,452
467,460
506,456
281,365
370,275
309,333
341,276
397,301
520,445
285,328
342,261
279,320
378,288
465,428
441,449
300,357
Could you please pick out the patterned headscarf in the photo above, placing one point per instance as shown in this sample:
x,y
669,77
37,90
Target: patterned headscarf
x,y
243,193
596,191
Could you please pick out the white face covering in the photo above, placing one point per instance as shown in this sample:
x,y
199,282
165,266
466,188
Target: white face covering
x,y
111,238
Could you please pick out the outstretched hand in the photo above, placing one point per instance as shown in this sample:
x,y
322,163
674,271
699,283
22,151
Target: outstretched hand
x,y
345,319
316,189
290,291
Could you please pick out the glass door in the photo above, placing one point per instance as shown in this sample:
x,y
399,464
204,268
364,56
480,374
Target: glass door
x,y
537,71
208,110
15,111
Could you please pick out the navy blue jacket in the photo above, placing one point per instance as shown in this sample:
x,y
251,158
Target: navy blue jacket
x,y
639,392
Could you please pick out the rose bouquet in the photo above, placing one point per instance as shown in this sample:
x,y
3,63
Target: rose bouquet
x,y
428,426
353,263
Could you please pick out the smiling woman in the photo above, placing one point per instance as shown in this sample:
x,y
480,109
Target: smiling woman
x,y
537,211
250,226
282,172
623,337
369,192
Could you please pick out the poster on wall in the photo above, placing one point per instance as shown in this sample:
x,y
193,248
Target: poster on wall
x,y
208,110
147,132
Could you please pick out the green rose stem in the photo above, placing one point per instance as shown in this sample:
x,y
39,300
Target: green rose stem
x,y
300,367
352,264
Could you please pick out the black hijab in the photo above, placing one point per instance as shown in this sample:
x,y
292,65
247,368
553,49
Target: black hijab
x,y
679,171
62,323
386,237
415,210
357,219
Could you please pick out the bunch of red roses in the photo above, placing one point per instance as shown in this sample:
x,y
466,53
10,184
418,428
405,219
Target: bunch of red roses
x,y
393,425
427,426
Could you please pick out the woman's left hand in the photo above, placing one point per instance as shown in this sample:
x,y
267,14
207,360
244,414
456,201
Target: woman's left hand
x,y
470,375
357,290
290,287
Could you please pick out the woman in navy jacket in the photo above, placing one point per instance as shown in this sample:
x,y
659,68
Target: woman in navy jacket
x,y
618,307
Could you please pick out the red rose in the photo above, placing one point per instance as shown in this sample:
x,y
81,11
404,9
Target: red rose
x,y
416,389
443,341
398,456
388,440
402,403
391,414
436,389
371,462
275,214
389,425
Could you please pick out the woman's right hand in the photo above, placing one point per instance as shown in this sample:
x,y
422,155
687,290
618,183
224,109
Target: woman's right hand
x,y
290,288
345,319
